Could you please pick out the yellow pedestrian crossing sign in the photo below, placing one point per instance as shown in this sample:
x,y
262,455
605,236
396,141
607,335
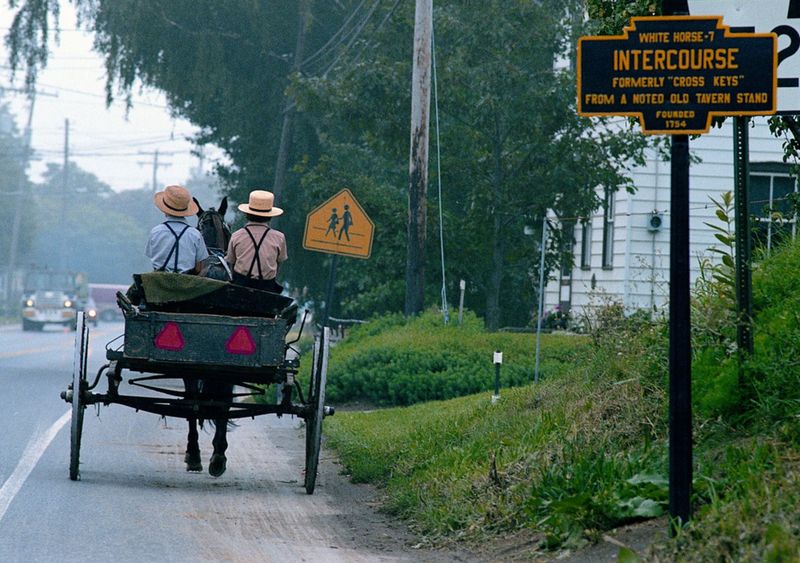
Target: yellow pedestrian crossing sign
x,y
339,226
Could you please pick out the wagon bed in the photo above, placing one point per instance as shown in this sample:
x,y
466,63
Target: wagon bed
x,y
180,327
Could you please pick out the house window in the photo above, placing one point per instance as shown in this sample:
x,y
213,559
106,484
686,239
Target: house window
x,y
567,243
608,230
770,207
586,243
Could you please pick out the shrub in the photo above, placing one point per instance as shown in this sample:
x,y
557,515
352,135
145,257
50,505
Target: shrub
x,y
397,361
774,371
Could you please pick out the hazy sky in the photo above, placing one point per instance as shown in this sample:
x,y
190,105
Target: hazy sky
x,y
118,150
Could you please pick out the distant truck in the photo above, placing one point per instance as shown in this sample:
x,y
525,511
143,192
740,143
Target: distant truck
x,y
55,297
104,296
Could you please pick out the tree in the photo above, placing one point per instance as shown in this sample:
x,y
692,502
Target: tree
x,y
14,185
513,147
224,66
90,228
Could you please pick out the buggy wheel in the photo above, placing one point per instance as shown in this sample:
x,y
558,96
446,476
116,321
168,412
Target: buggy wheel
x,y
79,387
316,402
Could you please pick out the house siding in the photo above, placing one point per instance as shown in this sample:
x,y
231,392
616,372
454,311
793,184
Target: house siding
x,y
639,277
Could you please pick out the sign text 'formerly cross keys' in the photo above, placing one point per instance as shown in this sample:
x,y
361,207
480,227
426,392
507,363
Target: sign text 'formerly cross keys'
x,y
676,73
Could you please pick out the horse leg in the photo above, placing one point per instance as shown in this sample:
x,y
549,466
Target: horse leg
x,y
217,465
218,460
192,457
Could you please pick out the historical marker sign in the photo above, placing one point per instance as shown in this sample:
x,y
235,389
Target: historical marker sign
x,y
676,73
339,226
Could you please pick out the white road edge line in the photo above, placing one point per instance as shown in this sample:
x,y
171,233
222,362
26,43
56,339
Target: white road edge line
x,y
30,457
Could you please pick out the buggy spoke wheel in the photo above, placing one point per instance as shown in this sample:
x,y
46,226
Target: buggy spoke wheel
x,y
79,387
317,402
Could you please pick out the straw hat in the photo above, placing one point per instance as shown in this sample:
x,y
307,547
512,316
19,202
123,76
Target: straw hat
x,y
176,201
261,204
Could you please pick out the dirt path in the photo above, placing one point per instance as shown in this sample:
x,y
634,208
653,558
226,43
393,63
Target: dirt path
x,y
259,511
264,513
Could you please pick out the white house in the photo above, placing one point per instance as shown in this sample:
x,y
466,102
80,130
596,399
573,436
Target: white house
x,y
621,253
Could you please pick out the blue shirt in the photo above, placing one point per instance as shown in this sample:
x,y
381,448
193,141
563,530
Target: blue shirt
x,y
191,247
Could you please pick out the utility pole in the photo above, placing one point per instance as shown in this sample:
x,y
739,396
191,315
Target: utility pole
x,y
418,160
156,165
282,162
62,242
17,220
21,190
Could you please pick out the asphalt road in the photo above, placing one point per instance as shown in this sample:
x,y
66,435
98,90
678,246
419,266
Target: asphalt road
x,y
136,502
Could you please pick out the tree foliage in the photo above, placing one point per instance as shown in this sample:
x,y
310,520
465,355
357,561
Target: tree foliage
x,y
512,146
13,184
85,226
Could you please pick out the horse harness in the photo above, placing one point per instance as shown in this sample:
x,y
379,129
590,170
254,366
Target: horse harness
x,y
175,246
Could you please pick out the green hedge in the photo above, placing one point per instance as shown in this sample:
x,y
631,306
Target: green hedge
x,y
397,361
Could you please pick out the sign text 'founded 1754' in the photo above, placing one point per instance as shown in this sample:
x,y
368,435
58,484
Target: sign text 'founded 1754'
x,y
676,73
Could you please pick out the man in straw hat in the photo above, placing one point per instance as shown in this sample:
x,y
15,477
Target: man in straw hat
x,y
256,251
174,245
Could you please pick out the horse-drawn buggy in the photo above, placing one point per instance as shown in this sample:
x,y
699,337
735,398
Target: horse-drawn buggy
x,y
203,350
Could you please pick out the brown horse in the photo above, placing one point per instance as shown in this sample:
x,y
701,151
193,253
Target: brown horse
x,y
216,234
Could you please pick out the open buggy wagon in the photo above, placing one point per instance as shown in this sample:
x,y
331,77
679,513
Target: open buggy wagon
x,y
198,331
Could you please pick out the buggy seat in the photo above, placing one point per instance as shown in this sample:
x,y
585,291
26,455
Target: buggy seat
x,y
181,293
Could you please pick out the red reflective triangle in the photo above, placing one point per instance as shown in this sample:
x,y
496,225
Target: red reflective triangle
x,y
170,337
241,342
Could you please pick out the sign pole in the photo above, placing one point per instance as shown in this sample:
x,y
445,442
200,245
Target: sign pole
x,y
744,291
680,344
542,250
680,323
675,73
331,285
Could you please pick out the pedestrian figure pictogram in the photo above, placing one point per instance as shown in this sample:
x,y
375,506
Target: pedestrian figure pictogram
x,y
347,220
339,226
333,220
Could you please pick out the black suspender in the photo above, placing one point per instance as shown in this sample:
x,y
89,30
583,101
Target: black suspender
x,y
175,245
256,258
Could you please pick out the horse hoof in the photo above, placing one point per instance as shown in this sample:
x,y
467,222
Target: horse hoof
x,y
193,461
217,465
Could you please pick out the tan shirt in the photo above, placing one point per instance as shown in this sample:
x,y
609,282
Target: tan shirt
x,y
241,251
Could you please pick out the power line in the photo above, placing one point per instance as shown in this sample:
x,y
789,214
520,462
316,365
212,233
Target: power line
x,y
83,92
386,18
319,52
352,39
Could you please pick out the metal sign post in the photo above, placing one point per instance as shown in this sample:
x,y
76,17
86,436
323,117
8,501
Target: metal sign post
x,y
680,341
497,360
331,288
541,299
674,74
744,290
